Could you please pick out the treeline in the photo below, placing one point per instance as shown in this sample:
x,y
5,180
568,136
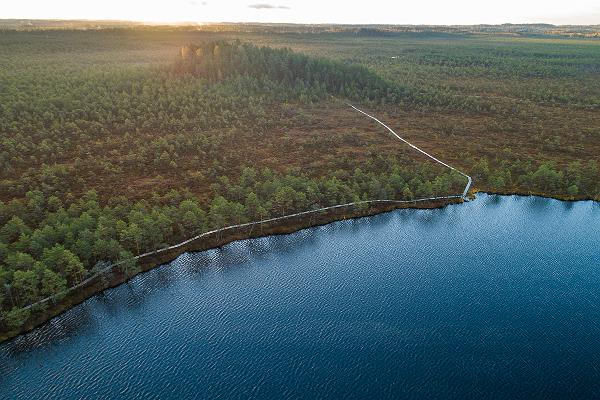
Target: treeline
x,y
216,61
576,179
47,245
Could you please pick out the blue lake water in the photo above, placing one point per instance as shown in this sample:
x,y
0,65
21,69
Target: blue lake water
x,y
496,298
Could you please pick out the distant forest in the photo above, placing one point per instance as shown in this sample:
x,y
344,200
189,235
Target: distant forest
x,y
266,28
309,77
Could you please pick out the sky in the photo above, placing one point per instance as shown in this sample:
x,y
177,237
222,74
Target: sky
x,y
434,12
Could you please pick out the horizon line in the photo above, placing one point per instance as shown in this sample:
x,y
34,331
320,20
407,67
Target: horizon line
x,y
191,23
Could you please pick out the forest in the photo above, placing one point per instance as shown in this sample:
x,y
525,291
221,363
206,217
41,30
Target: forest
x,y
120,141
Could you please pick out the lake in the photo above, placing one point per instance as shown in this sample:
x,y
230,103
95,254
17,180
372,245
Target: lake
x,y
495,298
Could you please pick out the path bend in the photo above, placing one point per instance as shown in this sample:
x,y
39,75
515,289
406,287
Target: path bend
x,y
110,267
469,180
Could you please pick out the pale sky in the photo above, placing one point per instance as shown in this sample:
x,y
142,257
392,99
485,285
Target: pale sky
x,y
441,12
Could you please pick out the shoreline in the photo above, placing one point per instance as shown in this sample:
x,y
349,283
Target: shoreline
x,y
516,192
150,262
155,260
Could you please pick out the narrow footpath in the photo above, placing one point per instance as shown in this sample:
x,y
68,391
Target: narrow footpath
x,y
219,231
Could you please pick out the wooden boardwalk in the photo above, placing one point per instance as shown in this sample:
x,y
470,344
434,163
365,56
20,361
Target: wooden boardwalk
x,y
110,267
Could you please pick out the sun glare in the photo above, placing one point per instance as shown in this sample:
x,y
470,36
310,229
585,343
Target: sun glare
x,y
311,11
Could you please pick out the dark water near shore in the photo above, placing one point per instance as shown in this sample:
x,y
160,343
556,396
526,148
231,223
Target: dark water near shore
x,y
497,298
